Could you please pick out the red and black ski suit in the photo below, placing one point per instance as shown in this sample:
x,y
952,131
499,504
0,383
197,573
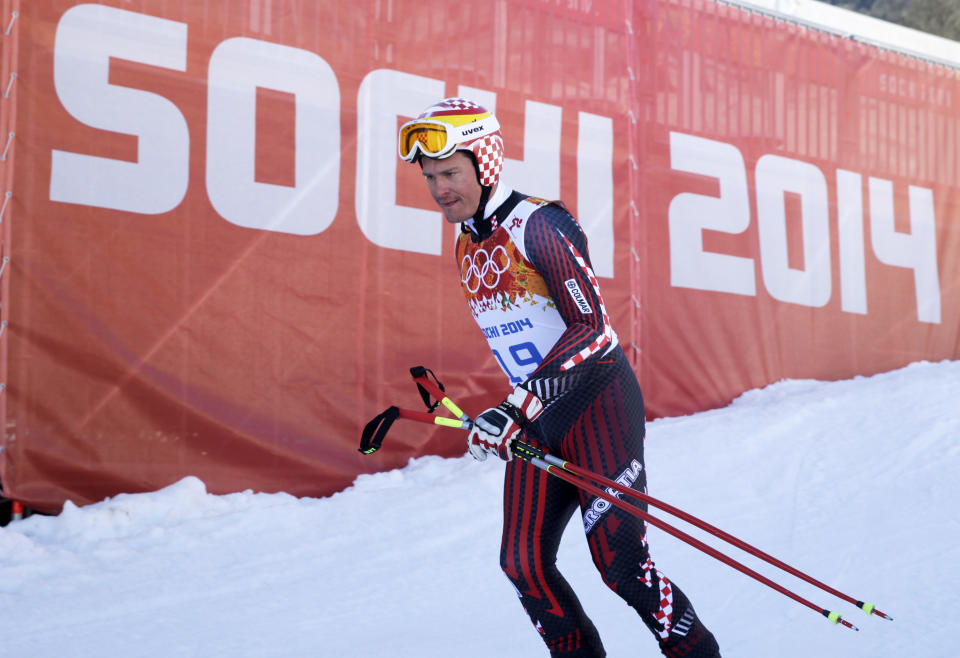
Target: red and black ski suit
x,y
528,281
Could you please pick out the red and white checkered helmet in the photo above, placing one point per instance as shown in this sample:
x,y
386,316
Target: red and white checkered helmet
x,y
451,125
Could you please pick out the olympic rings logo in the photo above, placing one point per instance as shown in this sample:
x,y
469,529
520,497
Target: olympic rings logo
x,y
483,268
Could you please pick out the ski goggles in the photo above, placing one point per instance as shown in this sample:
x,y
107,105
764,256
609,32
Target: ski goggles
x,y
439,139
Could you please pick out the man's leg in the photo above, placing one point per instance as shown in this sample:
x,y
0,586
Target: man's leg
x,y
661,604
536,509
608,439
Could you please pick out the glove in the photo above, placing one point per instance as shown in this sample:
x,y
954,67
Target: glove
x,y
495,429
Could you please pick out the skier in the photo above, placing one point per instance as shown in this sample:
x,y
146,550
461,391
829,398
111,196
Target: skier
x,y
526,274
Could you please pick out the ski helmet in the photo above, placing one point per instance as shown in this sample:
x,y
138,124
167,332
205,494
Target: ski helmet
x,y
451,125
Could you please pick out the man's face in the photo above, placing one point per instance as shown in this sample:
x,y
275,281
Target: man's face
x,y
453,185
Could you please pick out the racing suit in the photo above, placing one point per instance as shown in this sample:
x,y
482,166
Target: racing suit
x,y
529,284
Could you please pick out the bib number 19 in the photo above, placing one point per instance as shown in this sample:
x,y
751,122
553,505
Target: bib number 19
x,y
523,359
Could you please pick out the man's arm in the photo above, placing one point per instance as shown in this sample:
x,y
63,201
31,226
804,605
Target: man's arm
x,y
557,248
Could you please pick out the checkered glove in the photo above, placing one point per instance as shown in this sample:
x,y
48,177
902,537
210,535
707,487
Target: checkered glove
x,y
495,429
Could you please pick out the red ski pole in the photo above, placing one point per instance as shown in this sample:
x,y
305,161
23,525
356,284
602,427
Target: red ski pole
x,y
583,478
553,460
580,482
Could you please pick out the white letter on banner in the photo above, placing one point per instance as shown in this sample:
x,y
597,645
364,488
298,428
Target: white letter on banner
x,y
917,250
690,214
540,168
539,171
595,188
853,273
384,96
237,67
776,175
87,37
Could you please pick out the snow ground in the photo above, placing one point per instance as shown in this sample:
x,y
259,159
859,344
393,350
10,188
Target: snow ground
x,y
854,482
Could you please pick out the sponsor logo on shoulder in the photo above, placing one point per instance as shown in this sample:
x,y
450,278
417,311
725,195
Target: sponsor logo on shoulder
x,y
574,289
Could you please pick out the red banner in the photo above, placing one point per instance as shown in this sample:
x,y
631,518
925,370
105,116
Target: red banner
x,y
219,266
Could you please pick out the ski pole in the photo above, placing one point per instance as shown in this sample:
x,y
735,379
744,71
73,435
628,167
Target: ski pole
x,y
527,453
581,478
580,482
553,460
519,446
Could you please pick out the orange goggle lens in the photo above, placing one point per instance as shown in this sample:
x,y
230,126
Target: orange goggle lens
x,y
431,139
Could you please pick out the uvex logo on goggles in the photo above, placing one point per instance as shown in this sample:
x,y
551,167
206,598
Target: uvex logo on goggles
x,y
438,139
